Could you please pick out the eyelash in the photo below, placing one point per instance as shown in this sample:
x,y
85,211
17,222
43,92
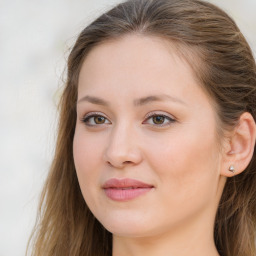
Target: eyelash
x,y
87,118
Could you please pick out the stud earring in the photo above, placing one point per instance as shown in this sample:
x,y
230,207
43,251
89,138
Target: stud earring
x,y
232,168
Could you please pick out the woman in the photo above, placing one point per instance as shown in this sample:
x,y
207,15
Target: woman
x,y
155,151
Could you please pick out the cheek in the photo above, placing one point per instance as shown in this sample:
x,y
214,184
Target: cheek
x,y
87,149
86,159
186,163
82,154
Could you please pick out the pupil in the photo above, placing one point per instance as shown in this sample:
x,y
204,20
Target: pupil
x,y
99,120
158,119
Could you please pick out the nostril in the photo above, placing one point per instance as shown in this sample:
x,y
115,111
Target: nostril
x,y
127,162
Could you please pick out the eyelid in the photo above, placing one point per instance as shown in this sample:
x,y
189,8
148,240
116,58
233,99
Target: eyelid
x,y
90,114
159,113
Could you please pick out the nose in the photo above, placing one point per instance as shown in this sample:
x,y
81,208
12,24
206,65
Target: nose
x,y
122,149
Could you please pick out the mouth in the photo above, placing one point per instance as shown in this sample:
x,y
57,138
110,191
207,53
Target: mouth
x,y
125,189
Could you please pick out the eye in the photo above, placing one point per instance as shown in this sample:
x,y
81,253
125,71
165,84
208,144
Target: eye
x,y
94,119
160,119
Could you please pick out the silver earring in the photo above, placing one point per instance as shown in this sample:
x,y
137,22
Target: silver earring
x,y
232,168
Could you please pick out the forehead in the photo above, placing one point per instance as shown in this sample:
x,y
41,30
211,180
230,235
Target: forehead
x,y
135,53
137,65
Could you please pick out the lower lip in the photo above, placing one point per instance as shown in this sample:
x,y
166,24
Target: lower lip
x,y
125,194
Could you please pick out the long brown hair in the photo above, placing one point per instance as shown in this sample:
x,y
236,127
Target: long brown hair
x,y
65,225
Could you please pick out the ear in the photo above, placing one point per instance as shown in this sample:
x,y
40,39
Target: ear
x,y
240,146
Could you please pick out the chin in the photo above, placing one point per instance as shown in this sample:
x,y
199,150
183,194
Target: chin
x,y
134,226
128,231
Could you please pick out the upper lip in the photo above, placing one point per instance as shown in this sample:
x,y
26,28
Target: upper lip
x,y
125,183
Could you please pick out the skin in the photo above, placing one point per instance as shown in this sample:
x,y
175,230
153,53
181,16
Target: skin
x,y
181,159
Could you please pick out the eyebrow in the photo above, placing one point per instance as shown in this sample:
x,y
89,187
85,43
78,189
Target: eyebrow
x,y
136,102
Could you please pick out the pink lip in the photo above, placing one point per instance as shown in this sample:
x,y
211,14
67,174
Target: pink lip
x,y
125,189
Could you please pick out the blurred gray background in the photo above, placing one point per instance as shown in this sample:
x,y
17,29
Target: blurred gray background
x,y
35,37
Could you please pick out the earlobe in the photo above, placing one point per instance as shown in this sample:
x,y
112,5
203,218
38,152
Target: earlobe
x,y
241,146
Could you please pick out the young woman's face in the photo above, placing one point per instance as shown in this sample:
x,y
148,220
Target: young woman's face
x,y
145,147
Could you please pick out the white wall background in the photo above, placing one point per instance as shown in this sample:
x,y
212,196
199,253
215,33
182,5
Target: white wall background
x,y
34,41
